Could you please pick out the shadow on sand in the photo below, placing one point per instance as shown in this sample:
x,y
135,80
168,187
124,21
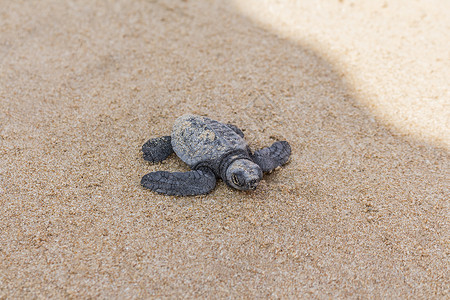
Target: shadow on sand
x,y
358,211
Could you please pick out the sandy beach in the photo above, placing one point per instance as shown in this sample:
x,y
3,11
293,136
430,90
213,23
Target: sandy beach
x,y
360,91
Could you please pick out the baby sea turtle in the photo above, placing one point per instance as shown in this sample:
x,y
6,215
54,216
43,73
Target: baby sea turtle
x,y
212,150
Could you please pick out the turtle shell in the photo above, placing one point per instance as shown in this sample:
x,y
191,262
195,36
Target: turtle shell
x,y
198,140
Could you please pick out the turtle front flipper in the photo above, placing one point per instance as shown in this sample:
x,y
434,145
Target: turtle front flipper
x,y
197,182
272,157
157,149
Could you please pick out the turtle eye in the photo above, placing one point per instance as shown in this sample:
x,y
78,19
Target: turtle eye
x,y
235,180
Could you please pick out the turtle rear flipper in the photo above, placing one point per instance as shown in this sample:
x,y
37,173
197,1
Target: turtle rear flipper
x,y
197,182
157,149
272,157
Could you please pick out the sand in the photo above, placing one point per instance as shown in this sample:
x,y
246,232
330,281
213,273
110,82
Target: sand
x,y
360,211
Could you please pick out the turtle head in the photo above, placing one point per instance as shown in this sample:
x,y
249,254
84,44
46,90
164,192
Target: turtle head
x,y
243,174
